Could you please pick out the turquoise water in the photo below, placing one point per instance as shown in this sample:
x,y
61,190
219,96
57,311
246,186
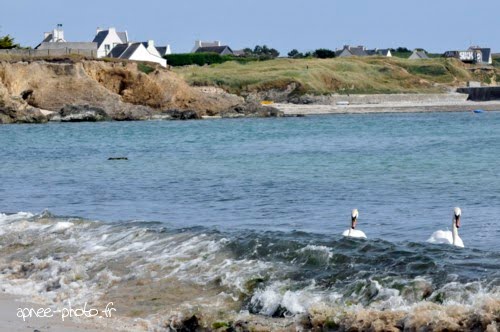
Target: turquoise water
x,y
264,198
404,173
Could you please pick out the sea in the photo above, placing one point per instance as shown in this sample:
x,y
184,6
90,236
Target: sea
x,y
238,222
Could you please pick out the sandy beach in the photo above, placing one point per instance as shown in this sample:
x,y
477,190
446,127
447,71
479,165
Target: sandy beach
x,y
390,107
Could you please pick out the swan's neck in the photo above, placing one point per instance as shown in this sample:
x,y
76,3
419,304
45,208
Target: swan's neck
x,y
454,232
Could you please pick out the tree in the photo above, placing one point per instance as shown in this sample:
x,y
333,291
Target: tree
x,y
7,42
248,51
295,54
264,52
324,53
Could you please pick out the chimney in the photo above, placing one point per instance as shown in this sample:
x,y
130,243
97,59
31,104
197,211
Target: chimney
x,y
151,43
58,35
98,30
217,43
112,29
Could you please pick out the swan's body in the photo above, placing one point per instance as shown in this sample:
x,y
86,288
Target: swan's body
x,y
449,237
353,232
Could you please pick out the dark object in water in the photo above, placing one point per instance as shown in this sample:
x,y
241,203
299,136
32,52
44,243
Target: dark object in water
x,y
117,158
478,111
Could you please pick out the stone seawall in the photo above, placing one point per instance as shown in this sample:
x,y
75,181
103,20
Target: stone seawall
x,y
482,94
381,99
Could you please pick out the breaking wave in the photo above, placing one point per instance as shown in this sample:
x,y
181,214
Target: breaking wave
x,y
163,276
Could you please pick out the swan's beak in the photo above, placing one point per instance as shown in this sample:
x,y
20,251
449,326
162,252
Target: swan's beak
x,y
354,221
457,221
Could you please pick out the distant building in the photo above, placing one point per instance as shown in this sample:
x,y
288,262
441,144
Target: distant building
x,y
164,50
483,55
115,44
55,36
198,44
349,51
239,53
464,56
380,52
474,54
136,52
418,55
160,51
54,41
221,50
107,39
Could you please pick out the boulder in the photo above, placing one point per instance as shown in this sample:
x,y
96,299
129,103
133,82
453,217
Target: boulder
x,y
80,113
252,109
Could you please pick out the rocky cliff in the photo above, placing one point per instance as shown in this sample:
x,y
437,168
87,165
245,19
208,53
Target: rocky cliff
x,y
75,90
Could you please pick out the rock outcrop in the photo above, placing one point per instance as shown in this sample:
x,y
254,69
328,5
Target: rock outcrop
x,y
80,113
92,90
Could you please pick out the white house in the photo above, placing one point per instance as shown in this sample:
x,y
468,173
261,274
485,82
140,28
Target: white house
x,y
55,36
136,52
107,39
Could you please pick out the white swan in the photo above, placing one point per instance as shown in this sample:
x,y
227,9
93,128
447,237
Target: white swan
x,y
353,232
449,237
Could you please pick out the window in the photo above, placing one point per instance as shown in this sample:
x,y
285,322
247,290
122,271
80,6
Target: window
x,y
107,48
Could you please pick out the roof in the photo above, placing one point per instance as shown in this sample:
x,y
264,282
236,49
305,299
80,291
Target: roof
x,y
118,50
48,38
352,51
162,50
213,49
101,35
129,51
122,36
384,51
419,55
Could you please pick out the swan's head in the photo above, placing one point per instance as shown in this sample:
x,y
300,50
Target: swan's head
x,y
354,218
456,216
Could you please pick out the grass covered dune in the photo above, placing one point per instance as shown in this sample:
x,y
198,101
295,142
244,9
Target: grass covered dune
x,y
369,75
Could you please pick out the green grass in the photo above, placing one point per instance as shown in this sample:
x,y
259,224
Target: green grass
x,y
145,68
496,62
403,55
340,75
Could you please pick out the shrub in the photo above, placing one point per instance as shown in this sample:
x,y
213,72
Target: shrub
x,y
324,53
201,59
262,52
295,54
7,42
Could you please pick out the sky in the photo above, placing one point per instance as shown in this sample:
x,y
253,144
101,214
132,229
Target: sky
x,y
435,25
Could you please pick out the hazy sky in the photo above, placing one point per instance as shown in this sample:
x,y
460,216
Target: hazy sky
x,y
436,25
